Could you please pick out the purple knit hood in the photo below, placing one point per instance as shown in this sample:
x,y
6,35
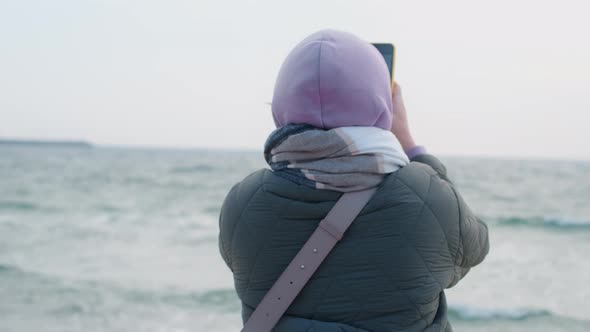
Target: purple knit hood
x,y
333,79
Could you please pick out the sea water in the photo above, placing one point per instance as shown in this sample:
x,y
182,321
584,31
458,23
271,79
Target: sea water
x,y
118,239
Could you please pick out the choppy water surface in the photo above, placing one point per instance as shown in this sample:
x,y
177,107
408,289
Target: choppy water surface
x,y
104,239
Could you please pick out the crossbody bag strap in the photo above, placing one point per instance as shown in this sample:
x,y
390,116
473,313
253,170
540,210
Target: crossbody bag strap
x,y
308,259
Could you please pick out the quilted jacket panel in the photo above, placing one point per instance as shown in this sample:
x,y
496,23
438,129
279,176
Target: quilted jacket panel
x,y
414,238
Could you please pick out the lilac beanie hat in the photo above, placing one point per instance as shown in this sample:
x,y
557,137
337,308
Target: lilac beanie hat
x,y
333,79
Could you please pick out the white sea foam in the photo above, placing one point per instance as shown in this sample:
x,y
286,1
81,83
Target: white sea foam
x,y
482,313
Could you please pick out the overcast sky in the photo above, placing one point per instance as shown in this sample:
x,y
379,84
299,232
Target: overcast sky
x,y
493,78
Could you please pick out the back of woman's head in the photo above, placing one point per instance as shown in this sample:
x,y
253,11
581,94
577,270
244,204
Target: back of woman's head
x,y
333,79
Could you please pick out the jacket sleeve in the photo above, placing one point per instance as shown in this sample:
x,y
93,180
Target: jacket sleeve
x,y
227,216
233,206
473,239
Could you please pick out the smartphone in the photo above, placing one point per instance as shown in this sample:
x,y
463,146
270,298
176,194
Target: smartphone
x,y
388,53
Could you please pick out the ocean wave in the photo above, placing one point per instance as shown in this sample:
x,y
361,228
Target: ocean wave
x,y
192,169
14,273
7,269
473,314
213,210
108,208
18,205
73,292
546,222
20,273
162,182
224,299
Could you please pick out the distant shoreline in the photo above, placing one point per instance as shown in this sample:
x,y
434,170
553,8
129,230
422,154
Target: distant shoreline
x,y
81,144
42,143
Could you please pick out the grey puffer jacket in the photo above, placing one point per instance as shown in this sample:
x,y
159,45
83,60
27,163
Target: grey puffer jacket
x,y
414,238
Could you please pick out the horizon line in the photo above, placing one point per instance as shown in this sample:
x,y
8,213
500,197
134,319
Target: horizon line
x,y
39,143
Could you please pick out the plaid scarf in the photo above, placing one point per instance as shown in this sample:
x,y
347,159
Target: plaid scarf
x,y
341,159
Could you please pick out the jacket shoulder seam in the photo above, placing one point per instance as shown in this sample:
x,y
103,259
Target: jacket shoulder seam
x,y
434,214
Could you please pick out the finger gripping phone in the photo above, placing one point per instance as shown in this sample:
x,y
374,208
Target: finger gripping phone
x,y
388,53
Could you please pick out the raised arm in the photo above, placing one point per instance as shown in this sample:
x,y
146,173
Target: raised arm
x,y
473,243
